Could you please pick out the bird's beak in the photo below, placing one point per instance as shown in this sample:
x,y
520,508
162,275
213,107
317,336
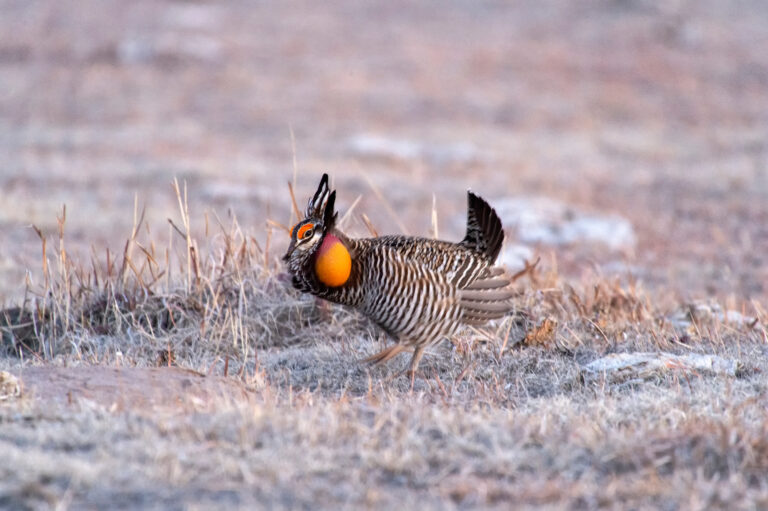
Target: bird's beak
x,y
290,250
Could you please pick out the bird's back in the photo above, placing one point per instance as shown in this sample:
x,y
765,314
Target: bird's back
x,y
421,290
459,264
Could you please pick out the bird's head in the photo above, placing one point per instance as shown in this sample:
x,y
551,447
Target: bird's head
x,y
314,247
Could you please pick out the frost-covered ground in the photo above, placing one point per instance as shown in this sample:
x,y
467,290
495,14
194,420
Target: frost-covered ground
x,y
623,143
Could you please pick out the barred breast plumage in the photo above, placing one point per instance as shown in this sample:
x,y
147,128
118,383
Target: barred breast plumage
x,y
418,290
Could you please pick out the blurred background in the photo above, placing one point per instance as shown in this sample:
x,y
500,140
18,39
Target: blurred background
x,y
622,137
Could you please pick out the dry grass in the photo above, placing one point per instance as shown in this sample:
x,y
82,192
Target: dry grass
x,y
654,113
502,415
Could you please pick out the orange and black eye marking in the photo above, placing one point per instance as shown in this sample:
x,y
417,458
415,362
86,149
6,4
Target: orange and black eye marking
x,y
303,231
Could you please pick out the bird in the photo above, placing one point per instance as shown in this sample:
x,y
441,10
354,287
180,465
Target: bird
x,y
420,291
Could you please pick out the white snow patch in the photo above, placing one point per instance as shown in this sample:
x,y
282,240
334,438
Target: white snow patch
x,y
377,146
634,367
547,221
514,256
707,312
136,50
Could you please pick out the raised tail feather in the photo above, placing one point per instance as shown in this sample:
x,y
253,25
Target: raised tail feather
x,y
484,232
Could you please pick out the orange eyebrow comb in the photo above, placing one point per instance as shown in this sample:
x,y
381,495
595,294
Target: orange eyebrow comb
x,y
302,230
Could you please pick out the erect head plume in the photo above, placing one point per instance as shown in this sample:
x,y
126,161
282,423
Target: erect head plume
x,y
321,205
329,215
319,219
316,204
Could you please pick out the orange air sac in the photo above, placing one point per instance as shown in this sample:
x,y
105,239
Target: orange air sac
x,y
333,264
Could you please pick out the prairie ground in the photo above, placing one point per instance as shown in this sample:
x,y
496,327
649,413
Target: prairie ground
x,y
155,357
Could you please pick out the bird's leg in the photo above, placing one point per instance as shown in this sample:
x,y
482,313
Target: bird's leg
x,y
418,352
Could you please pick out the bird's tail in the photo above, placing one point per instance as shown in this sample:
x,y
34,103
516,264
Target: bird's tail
x,y
484,232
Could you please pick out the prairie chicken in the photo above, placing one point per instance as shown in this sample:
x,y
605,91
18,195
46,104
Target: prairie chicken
x,y
418,290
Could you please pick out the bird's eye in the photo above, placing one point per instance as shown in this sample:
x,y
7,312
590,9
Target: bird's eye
x,y
305,231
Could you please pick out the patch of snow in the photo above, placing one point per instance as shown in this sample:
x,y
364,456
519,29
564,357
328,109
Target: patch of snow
x,y
136,50
514,256
133,50
377,146
705,312
628,367
382,147
547,221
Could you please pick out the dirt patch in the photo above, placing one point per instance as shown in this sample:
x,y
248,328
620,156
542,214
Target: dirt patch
x,y
134,388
